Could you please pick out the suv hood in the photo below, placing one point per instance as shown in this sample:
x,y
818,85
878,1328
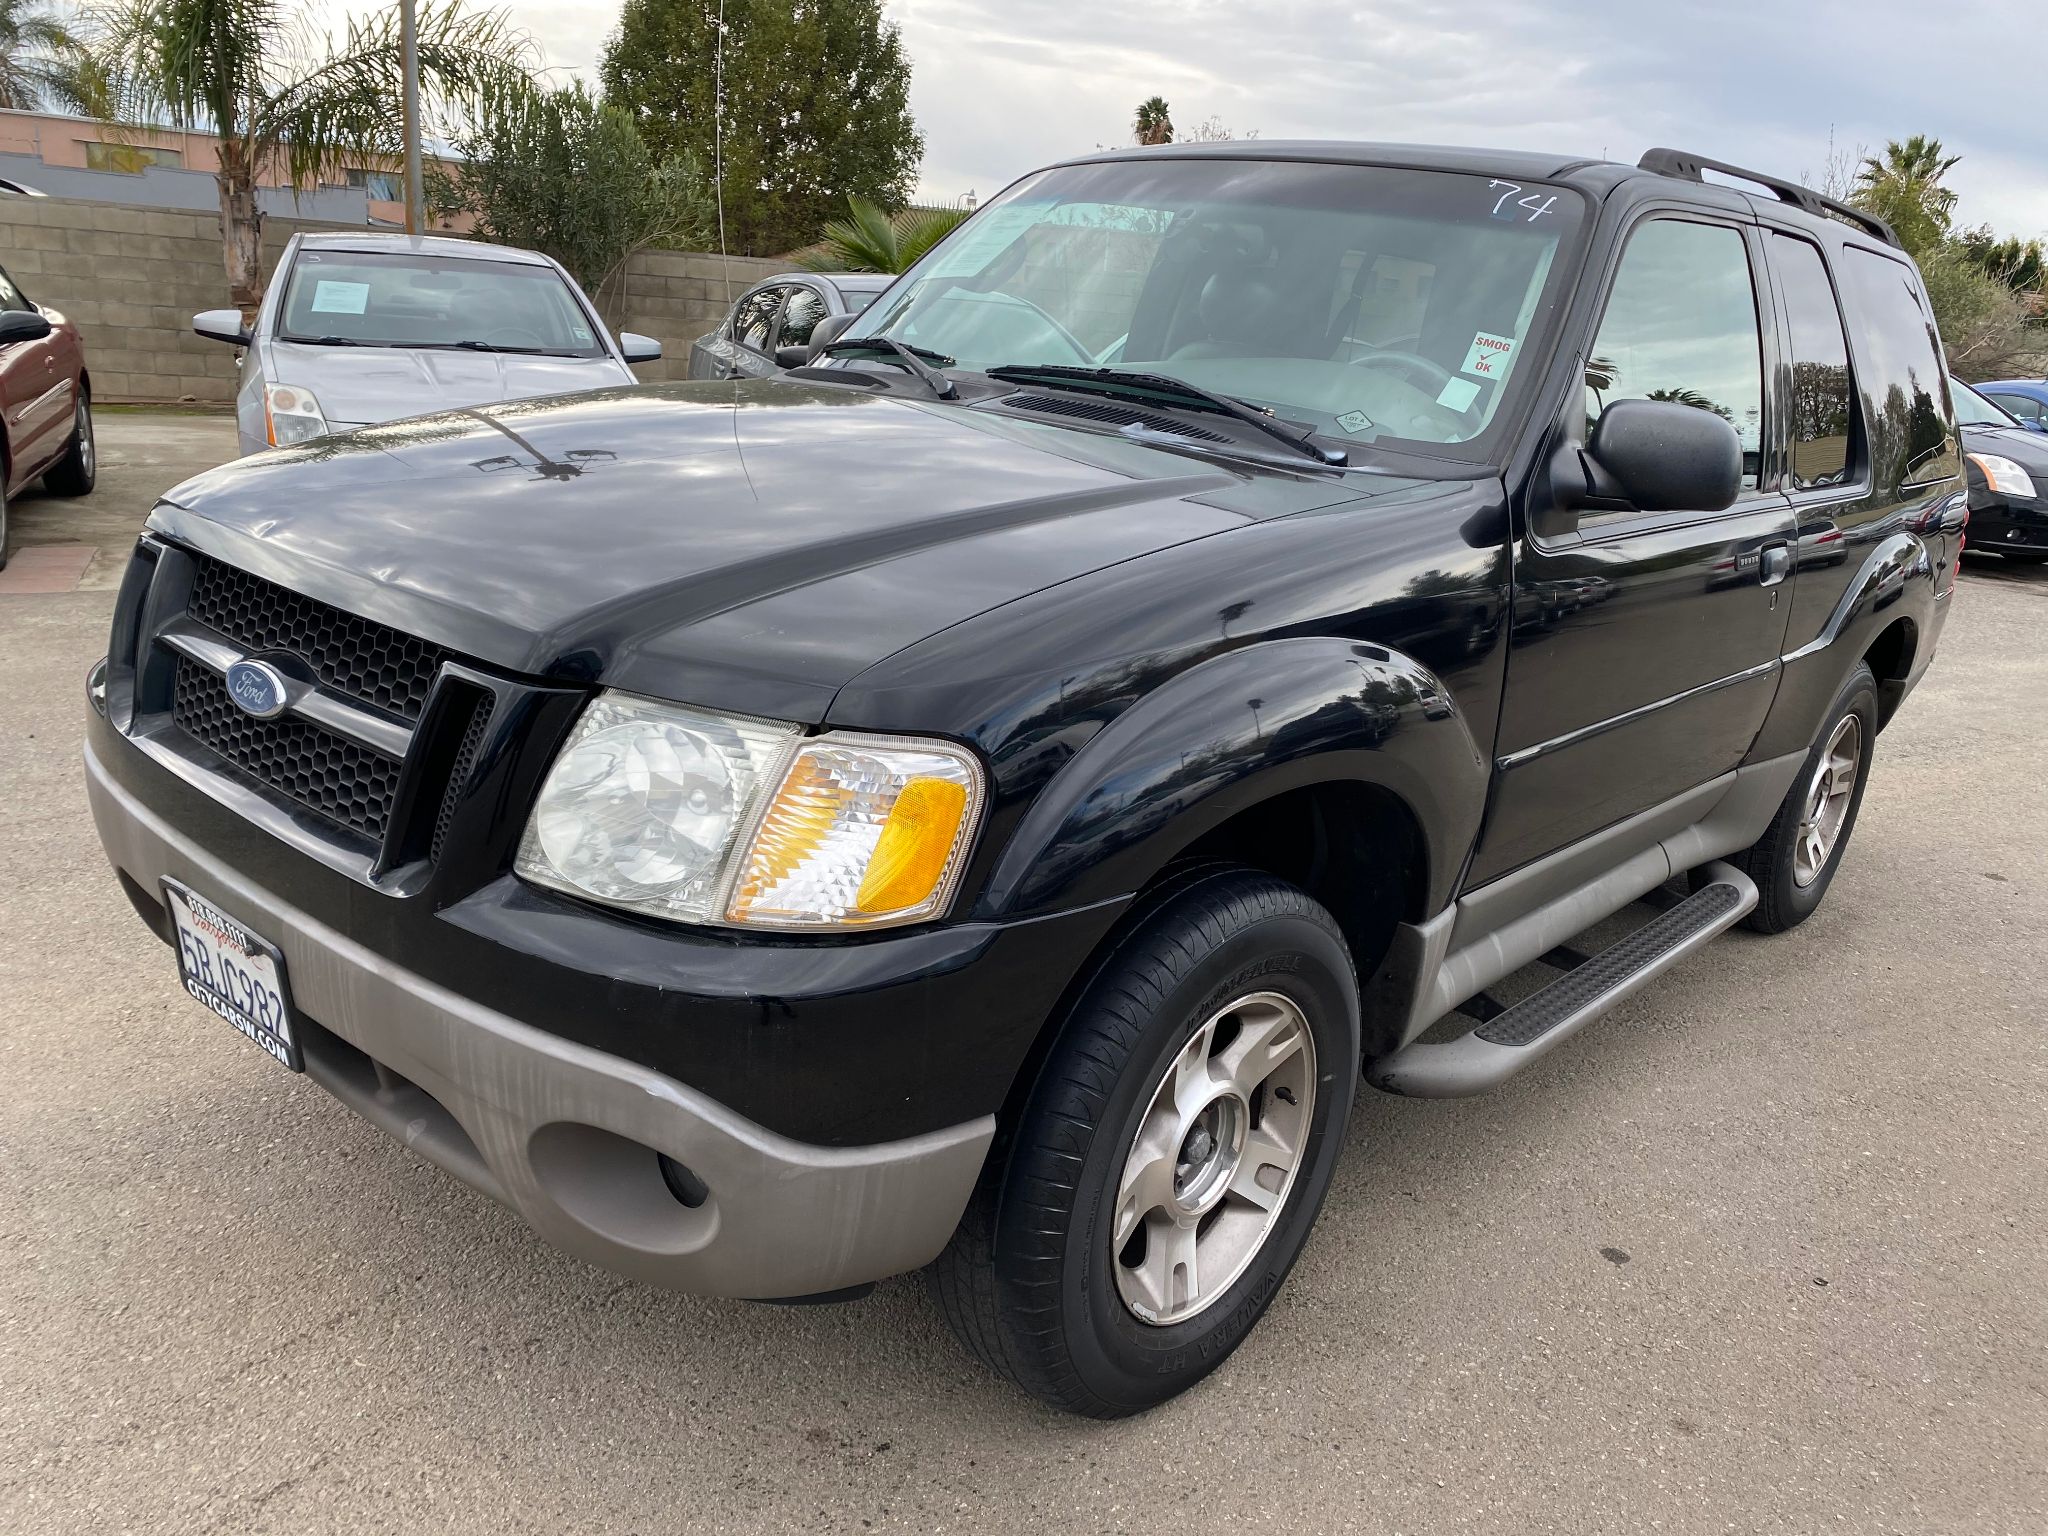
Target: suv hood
x,y
356,385
747,547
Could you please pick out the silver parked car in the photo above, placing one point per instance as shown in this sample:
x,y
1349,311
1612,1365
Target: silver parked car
x,y
776,313
365,328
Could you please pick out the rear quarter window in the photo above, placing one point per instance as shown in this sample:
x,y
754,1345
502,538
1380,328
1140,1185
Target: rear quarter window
x,y
1906,411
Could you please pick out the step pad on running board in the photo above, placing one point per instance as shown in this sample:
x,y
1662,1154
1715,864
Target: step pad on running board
x,y
1496,1050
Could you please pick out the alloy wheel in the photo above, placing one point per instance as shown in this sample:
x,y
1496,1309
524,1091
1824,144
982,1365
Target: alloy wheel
x,y
1214,1157
1828,795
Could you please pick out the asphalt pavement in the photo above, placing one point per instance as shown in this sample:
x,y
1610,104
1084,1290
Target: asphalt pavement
x,y
1762,1251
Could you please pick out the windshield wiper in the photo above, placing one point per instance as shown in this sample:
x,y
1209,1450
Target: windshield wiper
x,y
330,341
911,357
484,346
1124,382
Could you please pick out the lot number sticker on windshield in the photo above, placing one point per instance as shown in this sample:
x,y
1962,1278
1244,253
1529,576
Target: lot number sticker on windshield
x,y
1489,355
333,298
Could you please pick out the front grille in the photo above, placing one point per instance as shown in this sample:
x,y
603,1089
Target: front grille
x,y
370,662
1109,413
349,784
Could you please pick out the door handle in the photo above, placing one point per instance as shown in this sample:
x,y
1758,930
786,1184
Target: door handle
x,y
1774,564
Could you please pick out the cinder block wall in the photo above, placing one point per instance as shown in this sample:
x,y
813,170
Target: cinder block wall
x,y
675,297
132,278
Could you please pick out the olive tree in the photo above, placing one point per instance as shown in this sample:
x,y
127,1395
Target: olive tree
x,y
563,172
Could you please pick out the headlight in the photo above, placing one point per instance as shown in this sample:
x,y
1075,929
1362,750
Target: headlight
x,y
698,817
2004,476
292,415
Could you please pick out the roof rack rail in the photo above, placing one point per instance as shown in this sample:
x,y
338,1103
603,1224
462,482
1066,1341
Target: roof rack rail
x,y
1687,167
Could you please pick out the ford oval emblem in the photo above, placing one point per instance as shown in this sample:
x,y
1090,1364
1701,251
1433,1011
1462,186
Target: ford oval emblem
x,y
257,689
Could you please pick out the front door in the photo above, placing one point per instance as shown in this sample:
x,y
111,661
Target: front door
x,y
1645,646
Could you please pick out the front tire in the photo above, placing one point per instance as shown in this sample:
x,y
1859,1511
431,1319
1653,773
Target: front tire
x,y
1794,863
3,516
1169,1162
78,471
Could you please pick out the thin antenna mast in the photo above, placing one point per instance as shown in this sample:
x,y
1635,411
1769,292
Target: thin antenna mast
x,y
718,149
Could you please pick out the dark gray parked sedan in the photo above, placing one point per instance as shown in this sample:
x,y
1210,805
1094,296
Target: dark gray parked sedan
x,y
780,311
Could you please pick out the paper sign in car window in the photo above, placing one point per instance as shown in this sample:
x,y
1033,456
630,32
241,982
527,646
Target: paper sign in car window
x,y
1488,356
1458,394
333,298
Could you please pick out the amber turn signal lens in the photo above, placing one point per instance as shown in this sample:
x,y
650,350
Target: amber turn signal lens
x,y
917,839
862,832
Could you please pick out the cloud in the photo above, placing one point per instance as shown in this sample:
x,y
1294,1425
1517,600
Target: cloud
x,y
1003,86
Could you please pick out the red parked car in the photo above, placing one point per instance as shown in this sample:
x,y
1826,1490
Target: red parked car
x,y
45,403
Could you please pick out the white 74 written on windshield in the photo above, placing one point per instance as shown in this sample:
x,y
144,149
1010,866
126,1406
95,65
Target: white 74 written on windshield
x,y
1537,203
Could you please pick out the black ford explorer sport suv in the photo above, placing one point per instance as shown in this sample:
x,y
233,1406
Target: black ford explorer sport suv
x,y
989,797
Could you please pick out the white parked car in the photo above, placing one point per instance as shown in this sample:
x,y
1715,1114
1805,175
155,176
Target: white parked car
x,y
364,328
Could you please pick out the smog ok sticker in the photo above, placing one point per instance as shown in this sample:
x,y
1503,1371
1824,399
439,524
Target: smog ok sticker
x,y
1489,355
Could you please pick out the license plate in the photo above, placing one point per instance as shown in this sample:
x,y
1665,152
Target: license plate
x,y
237,974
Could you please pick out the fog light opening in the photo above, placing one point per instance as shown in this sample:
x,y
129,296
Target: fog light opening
x,y
622,1189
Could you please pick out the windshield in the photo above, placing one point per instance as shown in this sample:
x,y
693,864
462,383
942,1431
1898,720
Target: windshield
x,y
402,299
1973,410
1369,303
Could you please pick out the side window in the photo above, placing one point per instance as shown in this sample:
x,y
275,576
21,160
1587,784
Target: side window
x,y
800,317
1820,366
753,321
11,297
2019,405
1681,325
1905,406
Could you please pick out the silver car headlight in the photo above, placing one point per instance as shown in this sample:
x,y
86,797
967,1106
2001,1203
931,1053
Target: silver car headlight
x,y
291,415
699,817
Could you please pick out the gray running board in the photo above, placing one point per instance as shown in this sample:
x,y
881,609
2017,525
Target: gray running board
x,y
1510,1040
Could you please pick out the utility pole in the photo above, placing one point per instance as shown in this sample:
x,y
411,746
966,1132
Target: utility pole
x,y
415,191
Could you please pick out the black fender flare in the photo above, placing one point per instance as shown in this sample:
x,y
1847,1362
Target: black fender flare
x,y
1895,581
1229,733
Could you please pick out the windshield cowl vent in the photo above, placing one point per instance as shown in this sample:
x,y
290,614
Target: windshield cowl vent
x,y
1109,414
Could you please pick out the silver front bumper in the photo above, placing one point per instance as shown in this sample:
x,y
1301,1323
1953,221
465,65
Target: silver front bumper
x,y
568,1136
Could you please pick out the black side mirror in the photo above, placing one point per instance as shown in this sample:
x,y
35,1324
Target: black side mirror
x,y
824,334
792,357
22,325
1660,456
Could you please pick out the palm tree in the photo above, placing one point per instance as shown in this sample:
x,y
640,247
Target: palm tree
x,y
282,99
870,240
1904,189
1693,398
42,63
1154,123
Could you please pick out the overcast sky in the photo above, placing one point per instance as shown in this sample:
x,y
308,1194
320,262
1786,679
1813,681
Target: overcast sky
x,y
1001,86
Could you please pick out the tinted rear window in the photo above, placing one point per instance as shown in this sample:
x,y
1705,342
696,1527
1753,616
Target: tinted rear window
x,y
1905,399
1820,366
